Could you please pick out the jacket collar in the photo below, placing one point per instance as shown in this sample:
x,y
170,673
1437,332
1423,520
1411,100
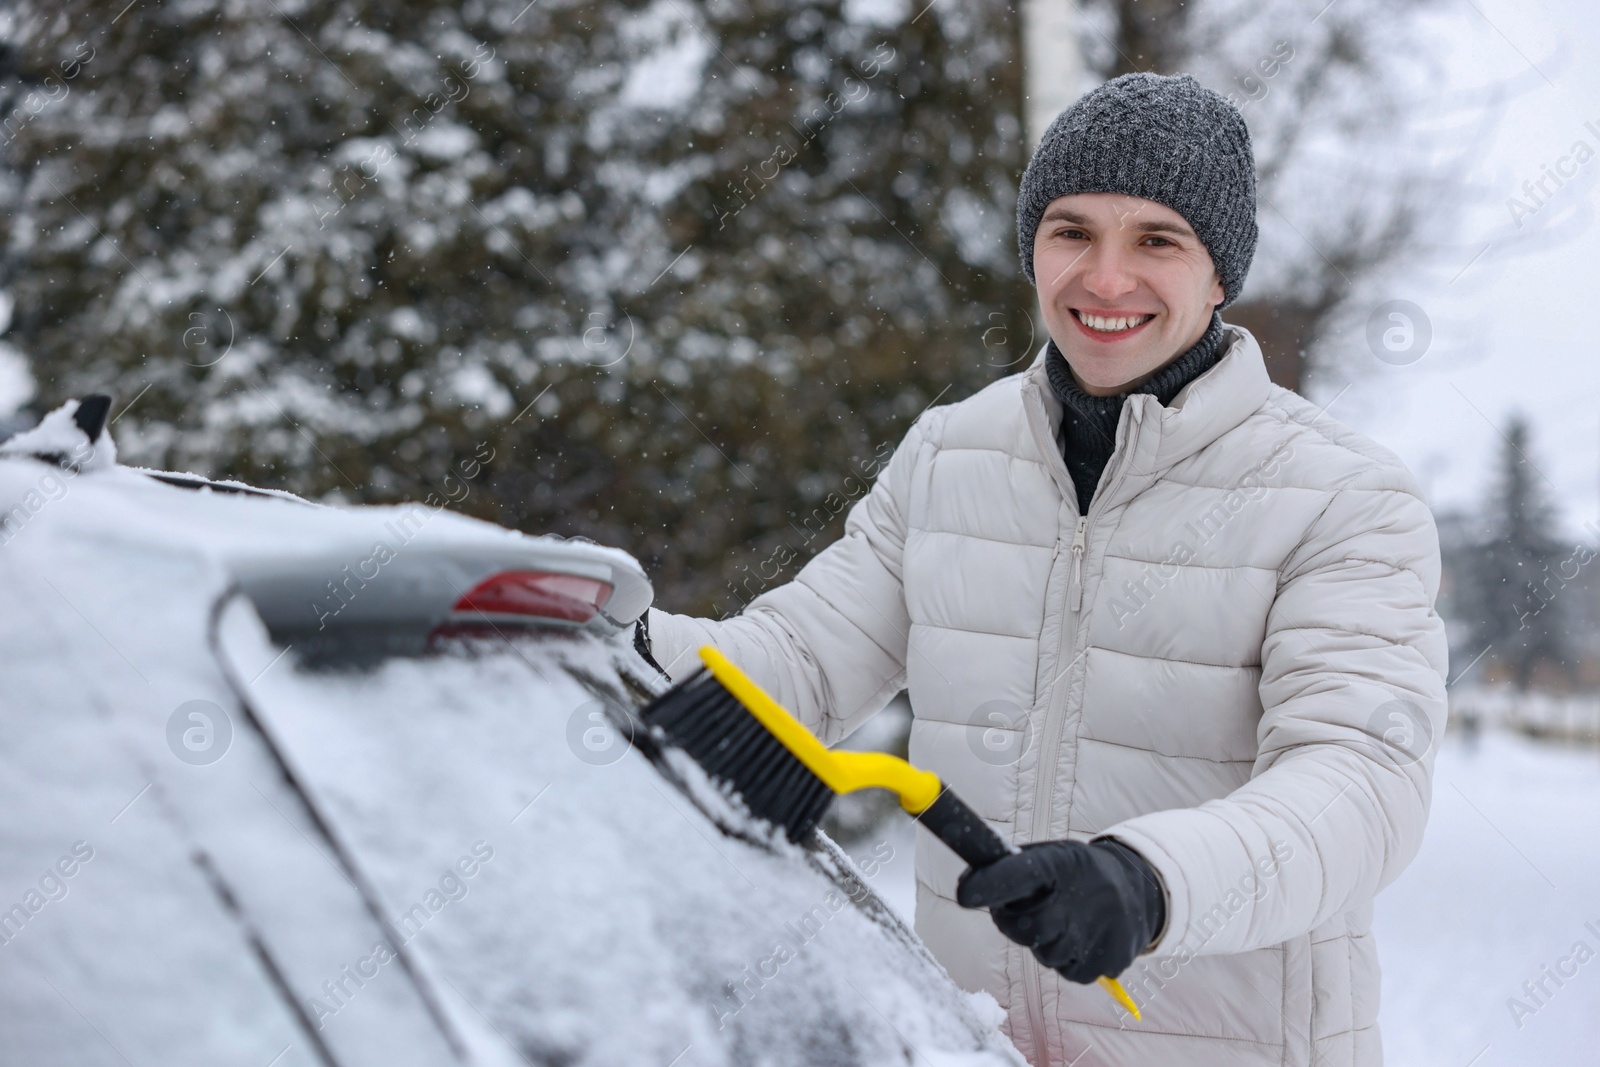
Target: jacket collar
x,y
1205,409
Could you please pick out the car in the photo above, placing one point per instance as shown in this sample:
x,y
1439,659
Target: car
x,y
288,783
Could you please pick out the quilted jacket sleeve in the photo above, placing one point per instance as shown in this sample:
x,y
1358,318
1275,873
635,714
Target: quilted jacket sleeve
x,y
830,645
1352,685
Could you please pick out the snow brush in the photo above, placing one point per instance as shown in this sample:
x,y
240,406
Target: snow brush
x,y
746,741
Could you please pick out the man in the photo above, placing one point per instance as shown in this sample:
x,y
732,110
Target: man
x,y
1163,623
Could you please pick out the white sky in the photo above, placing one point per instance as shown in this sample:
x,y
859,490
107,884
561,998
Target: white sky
x,y
1513,332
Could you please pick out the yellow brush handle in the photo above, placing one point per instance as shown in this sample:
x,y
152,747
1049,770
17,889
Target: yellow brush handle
x,y
846,772
843,772
1114,987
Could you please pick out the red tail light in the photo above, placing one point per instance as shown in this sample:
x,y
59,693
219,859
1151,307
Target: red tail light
x,y
535,594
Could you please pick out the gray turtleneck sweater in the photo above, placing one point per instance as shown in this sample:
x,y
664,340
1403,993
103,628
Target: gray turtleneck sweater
x,y
1089,423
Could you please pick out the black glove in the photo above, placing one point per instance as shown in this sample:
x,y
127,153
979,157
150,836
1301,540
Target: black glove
x,y
1084,910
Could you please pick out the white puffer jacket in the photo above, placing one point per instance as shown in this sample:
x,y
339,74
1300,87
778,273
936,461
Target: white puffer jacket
x,y
1231,664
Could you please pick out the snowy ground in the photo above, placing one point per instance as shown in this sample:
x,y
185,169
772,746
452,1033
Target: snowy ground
x,y
1506,880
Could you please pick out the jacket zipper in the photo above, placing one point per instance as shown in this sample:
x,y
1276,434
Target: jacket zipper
x,y
1033,980
1075,580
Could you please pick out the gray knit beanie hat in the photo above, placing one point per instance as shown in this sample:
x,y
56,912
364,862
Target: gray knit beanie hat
x,y
1163,138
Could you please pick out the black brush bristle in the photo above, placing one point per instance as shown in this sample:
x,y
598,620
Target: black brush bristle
x,y
731,745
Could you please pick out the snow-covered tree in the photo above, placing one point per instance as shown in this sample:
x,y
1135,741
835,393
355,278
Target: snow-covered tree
x,y
684,269
1518,584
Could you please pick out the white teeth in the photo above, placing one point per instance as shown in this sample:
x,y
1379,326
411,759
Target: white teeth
x,y
1094,322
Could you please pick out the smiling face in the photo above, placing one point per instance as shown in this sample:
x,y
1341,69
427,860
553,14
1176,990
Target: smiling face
x,y
1124,284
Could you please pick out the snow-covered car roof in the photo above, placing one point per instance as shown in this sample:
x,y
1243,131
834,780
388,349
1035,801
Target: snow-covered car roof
x,y
220,850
